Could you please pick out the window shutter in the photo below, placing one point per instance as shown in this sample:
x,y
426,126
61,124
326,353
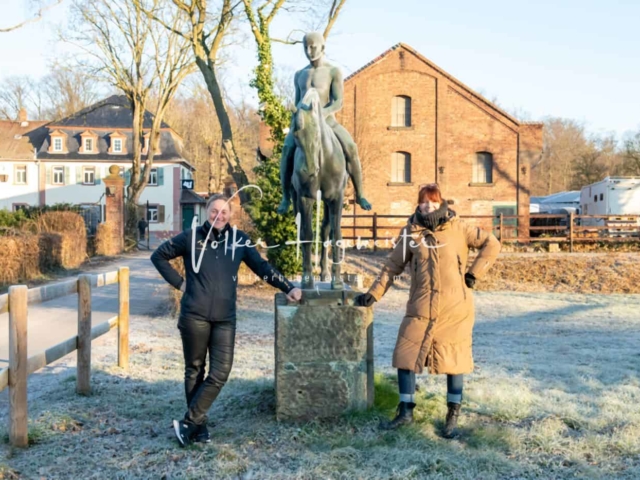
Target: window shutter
x,y
160,176
401,111
407,111
67,175
98,175
407,167
48,180
160,213
127,176
483,168
78,174
401,167
488,166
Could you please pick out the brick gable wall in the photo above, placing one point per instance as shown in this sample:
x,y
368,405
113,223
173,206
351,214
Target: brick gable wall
x,y
449,125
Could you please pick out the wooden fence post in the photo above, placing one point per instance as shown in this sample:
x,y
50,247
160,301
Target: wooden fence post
x,y
123,317
375,231
83,378
18,427
354,219
571,232
501,226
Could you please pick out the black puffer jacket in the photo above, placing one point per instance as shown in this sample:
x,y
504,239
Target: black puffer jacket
x,y
210,293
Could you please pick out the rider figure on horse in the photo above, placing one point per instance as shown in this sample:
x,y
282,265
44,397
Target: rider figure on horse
x,y
327,80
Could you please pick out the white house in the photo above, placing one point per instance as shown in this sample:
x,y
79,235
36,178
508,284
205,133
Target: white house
x,y
64,162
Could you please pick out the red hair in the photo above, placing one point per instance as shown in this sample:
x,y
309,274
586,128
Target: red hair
x,y
431,192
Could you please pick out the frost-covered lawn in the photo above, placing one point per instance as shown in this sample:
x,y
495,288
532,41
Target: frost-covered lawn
x,y
556,394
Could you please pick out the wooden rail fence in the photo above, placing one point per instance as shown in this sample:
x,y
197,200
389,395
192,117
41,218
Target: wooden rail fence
x,y
21,366
558,228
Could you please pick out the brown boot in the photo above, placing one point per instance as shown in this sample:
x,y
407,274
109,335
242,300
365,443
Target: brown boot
x,y
452,420
404,416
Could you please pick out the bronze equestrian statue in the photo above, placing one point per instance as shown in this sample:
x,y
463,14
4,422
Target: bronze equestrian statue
x,y
318,157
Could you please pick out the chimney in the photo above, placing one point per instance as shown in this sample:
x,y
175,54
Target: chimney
x,y
22,117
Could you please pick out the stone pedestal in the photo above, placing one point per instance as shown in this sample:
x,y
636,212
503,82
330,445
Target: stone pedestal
x,y
324,355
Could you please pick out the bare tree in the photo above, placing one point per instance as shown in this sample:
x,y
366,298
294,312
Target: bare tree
x,y
192,115
564,141
631,156
315,10
64,91
208,24
35,18
589,168
572,158
16,93
142,60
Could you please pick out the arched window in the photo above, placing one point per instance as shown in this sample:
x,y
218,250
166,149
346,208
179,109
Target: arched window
x,y
401,167
401,111
483,168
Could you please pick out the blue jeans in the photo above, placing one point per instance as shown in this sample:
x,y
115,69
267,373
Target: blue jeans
x,y
407,385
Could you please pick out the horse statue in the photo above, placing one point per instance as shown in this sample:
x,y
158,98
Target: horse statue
x,y
319,173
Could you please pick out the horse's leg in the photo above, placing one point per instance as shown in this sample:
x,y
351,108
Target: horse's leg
x,y
305,207
335,218
324,236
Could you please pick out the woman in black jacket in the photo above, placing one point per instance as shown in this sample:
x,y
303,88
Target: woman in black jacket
x,y
212,254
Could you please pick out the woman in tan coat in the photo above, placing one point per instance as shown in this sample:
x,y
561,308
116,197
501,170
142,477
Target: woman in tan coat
x,y
436,331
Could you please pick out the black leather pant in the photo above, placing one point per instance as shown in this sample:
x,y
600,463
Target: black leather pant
x,y
198,336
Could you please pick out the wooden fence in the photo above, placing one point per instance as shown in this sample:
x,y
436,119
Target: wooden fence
x,y
20,366
508,228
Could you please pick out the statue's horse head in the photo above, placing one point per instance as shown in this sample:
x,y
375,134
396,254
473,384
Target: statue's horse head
x,y
308,125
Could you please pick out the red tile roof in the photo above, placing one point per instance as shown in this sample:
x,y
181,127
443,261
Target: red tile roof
x,y
16,140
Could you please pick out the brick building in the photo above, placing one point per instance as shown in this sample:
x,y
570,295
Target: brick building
x,y
416,124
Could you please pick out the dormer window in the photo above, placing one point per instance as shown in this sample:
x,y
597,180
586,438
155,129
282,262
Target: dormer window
x,y
58,142
88,142
117,143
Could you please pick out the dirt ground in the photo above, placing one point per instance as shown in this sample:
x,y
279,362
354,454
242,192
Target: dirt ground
x,y
538,272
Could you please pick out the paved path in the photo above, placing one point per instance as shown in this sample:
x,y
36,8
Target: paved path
x,y
52,322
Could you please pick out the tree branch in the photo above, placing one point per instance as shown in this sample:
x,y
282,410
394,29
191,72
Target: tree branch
x,y
248,8
288,40
273,12
333,16
37,17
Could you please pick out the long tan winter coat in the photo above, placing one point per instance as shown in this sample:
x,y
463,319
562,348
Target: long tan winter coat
x,y
436,331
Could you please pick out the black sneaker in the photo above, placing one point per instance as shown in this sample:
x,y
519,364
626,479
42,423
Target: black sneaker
x,y
184,431
202,434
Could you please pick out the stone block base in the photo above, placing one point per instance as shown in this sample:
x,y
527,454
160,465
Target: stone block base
x,y
324,355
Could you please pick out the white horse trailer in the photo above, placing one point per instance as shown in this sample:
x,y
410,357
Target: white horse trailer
x,y
618,197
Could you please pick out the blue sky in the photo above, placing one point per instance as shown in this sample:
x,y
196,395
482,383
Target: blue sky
x,y
568,58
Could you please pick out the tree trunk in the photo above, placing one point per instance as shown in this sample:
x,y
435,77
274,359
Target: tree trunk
x,y
228,155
